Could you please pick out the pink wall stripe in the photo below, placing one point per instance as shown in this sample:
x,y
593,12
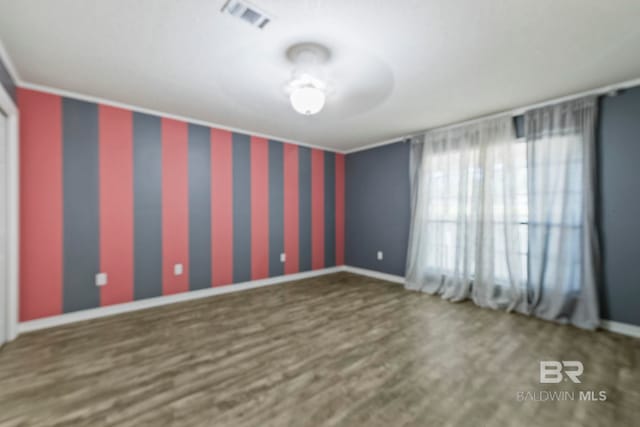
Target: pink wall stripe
x,y
40,204
116,203
259,208
291,209
175,206
221,207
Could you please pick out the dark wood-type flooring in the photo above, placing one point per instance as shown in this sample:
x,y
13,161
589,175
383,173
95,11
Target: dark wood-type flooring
x,y
337,350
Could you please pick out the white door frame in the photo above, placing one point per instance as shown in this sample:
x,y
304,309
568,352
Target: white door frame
x,y
10,109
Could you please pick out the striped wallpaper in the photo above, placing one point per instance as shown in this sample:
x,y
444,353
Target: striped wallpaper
x,y
109,190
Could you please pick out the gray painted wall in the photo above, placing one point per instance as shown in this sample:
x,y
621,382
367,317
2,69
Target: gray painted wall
x,y
619,157
378,205
199,207
147,205
81,208
377,208
7,81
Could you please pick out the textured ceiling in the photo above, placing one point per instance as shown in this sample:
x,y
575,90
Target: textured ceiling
x,y
396,66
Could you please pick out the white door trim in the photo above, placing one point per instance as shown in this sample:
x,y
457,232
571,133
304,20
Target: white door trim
x,y
13,211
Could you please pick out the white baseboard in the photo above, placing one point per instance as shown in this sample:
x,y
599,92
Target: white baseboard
x,y
621,328
609,325
94,313
375,274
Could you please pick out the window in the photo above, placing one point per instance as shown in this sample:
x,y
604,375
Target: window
x,y
456,185
506,222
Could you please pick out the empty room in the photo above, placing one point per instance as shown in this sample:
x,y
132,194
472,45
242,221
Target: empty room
x,y
319,213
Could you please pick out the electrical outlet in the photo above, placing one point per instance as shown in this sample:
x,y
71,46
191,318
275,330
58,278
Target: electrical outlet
x,y
101,279
177,270
283,257
380,256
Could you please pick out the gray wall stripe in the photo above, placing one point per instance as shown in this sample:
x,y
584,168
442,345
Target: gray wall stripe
x,y
199,207
241,207
147,196
304,158
276,208
378,208
329,209
618,210
81,210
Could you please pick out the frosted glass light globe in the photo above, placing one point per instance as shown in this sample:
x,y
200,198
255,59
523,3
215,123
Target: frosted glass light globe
x,y
307,100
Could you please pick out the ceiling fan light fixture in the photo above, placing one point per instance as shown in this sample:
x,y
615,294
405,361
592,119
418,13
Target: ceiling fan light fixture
x,y
307,100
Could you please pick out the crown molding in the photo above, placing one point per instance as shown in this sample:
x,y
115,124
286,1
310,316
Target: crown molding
x,y
602,90
6,60
117,104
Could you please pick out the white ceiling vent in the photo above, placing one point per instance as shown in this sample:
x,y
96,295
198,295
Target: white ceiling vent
x,y
246,12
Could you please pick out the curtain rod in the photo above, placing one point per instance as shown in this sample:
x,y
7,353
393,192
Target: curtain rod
x,y
610,90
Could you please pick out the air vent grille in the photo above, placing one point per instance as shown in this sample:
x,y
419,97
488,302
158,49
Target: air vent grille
x,y
246,12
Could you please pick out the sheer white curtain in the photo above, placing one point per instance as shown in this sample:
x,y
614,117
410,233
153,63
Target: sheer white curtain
x,y
509,223
468,228
563,245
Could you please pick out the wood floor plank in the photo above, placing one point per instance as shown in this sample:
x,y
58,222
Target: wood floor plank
x,y
336,350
